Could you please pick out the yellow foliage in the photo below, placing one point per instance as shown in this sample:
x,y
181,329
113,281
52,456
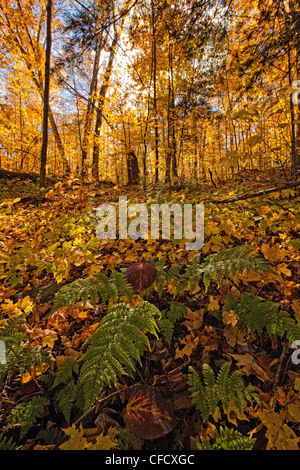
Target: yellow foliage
x,y
280,436
77,440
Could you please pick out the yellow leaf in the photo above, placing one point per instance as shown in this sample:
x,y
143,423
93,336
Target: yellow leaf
x,y
107,442
217,414
10,308
227,226
81,314
171,287
49,340
230,318
282,268
213,304
25,304
233,413
273,253
77,440
280,436
294,411
39,370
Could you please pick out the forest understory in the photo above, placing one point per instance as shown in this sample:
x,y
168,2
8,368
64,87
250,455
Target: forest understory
x,y
203,356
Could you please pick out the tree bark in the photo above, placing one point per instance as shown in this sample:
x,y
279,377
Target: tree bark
x,y
46,97
101,100
90,109
154,65
37,80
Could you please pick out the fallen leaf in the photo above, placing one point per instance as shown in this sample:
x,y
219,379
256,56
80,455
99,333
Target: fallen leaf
x,y
147,414
247,364
49,340
213,304
190,343
280,436
230,318
194,320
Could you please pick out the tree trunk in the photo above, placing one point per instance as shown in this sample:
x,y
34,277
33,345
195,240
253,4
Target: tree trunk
x,y
132,168
90,109
46,97
154,65
37,80
101,100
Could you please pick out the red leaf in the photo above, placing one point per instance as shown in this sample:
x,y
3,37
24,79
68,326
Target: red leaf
x,y
141,275
147,414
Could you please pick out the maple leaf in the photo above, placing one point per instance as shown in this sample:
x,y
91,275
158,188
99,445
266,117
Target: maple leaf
x,y
77,440
230,318
213,304
35,372
190,343
247,364
280,436
273,253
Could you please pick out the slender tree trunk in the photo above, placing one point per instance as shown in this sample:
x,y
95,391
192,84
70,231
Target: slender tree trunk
x,y
37,80
154,64
172,116
90,109
46,97
101,100
296,172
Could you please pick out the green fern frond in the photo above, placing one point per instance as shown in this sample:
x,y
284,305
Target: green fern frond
x,y
255,313
226,439
92,288
226,263
118,342
169,318
66,395
24,415
222,383
198,393
208,392
7,443
19,357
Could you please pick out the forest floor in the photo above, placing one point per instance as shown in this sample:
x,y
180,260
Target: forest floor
x,y
46,244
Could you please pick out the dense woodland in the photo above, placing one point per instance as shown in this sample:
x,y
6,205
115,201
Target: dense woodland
x,y
122,344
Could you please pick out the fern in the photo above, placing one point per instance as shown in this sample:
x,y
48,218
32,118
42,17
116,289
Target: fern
x,y
7,443
118,342
93,287
24,415
207,393
226,263
169,318
66,395
226,439
19,357
256,313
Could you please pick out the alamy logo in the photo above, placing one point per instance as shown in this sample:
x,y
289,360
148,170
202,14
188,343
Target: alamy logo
x,y
296,354
2,352
143,221
296,94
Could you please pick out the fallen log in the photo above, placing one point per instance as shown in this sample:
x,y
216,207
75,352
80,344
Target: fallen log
x,y
244,196
9,175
